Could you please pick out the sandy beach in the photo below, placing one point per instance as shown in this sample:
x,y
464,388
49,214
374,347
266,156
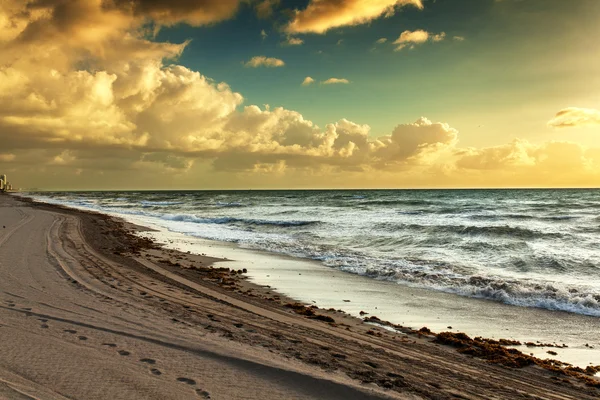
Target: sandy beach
x,y
88,310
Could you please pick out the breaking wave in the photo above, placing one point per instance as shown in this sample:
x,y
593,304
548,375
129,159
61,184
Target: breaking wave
x,y
149,203
230,220
470,230
550,296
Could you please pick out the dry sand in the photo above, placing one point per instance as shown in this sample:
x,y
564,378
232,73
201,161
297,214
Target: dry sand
x,y
89,311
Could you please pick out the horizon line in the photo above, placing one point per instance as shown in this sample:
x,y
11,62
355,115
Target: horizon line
x,y
309,189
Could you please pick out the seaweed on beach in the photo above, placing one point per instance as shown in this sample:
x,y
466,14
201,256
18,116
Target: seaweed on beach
x,y
490,350
309,312
495,352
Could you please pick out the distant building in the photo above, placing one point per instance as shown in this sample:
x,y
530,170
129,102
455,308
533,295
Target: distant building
x,y
5,186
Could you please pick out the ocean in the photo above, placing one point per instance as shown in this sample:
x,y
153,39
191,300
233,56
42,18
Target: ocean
x,y
528,248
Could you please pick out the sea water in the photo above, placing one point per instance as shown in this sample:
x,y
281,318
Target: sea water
x,y
528,248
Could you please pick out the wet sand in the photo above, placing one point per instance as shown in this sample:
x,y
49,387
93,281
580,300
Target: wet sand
x,y
90,311
313,283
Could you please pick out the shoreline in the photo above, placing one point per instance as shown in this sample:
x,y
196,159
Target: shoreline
x,y
574,335
402,364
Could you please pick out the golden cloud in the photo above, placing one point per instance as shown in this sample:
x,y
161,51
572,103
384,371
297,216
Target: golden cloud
x,y
421,141
518,153
262,61
554,163
412,38
574,117
169,12
334,81
307,81
86,96
293,41
322,15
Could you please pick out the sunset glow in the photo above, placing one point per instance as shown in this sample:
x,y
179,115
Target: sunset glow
x,y
229,94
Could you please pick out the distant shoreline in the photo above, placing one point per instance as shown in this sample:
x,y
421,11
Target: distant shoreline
x,y
25,191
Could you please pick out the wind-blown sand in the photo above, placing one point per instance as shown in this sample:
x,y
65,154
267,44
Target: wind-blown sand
x,y
89,311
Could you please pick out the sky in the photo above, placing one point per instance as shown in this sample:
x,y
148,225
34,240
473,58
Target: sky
x,y
280,94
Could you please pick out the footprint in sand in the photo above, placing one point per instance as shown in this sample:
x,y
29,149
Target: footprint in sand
x,y
82,338
42,320
186,380
109,344
203,393
124,352
148,361
44,326
156,372
70,331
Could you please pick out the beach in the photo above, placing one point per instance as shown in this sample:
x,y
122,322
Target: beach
x,y
91,310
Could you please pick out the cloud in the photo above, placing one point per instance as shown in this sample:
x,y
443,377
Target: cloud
x,y
518,153
170,12
322,15
418,36
293,41
7,157
381,40
521,163
438,37
263,34
419,141
554,157
574,117
333,81
459,38
262,61
88,99
412,38
265,8
307,81
130,110
88,23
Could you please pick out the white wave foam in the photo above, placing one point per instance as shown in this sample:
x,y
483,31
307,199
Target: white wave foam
x,y
355,240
